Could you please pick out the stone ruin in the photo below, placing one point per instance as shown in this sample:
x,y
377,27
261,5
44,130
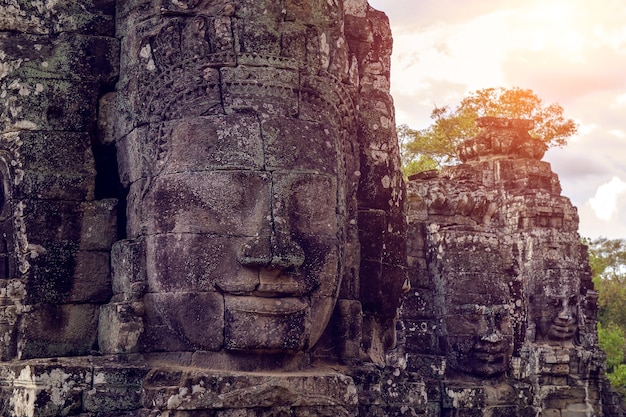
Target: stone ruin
x,y
501,316
203,214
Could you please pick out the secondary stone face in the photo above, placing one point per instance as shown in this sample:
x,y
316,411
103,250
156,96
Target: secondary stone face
x,y
501,286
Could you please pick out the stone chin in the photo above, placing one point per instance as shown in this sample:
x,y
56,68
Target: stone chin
x,y
267,324
264,324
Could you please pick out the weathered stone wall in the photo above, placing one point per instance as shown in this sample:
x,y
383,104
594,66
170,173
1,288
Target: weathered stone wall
x,y
55,59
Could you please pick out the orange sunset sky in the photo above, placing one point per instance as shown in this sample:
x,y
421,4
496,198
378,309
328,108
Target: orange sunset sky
x,y
572,52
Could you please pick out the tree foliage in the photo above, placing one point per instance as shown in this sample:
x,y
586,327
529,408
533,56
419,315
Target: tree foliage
x,y
608,265
436,145
607,258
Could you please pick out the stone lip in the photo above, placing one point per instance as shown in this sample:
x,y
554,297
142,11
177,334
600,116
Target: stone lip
x,y
502,137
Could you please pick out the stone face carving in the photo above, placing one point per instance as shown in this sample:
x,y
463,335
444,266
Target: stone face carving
x,y
555,314
237,173
476,300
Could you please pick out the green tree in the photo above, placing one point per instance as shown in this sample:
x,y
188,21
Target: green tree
x,y
611,340
608,265
436,145
607,258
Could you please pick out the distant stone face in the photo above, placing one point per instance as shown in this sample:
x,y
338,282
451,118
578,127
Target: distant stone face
x,y
502,137
476,302
501,274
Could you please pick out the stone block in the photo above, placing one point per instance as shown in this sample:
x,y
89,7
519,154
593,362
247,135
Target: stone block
x,y
47,388
95,18
327,411
421,336
116,387
92,278
99,225
394,278
64,57
128,267
52,271
60,272
463,397
50,186
119,327
215,390
375,190
195,262
293,144
561,397
57,152
282,324
370,291
51,104
51,221
214,142
418,303
50,330
130,151
394,248
227,203
306,204
430,367
372,228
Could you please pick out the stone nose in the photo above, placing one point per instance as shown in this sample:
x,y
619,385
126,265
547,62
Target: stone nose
x,y
489,331
273,247
566,312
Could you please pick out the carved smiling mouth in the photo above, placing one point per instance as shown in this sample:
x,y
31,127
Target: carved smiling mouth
x,y
563,330
491,358
276,294
275,283
490,353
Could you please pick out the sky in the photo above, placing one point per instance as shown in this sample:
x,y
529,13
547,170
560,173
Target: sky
x,y
570,52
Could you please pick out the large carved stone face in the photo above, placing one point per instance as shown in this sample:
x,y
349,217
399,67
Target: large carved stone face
x,y
480,339
244,234
556,316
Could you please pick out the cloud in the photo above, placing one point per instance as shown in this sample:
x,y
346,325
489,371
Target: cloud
x,y
604,203
415,101
557,78
412,13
